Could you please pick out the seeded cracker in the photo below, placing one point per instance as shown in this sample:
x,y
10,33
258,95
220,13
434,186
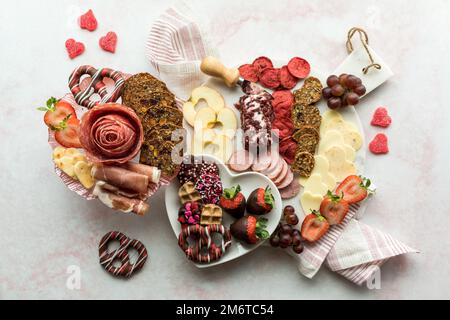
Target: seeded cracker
x,y
306,116
303,164
307,143
310,93
306,130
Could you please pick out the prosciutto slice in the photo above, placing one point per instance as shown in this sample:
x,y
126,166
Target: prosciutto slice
x,y
120,203
153,173
121,178
111,134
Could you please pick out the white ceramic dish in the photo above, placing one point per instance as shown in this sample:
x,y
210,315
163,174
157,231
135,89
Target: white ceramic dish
x,y
248,181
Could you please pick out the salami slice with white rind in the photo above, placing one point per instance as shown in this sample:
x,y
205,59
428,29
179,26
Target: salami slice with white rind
x,y
274,158
291,190
282,174
276,172
287,180
262,162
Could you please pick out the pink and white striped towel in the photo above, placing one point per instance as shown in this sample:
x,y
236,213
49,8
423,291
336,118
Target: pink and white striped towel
x,y
176,45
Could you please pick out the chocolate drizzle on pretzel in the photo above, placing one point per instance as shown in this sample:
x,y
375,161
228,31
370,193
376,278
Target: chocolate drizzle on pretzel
x,y
126,268
204,249
96,85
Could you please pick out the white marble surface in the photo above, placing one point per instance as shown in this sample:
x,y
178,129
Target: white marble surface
x,y
45,228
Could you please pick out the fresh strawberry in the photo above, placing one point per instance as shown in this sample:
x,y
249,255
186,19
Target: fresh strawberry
x,y
260,202
250,229
314,227
334,208
56,111
233,202
67,133
355,189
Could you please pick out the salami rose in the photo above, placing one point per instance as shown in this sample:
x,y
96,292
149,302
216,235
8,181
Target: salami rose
x,y
111,134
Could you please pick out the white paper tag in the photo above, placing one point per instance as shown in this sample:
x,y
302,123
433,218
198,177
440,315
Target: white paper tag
x,y
357,61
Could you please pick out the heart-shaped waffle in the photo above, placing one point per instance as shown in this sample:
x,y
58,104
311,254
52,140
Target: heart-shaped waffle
x,y
96,85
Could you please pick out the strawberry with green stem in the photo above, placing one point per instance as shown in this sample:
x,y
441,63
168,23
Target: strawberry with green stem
x,y
260,201
66,133
355,189
56,112
334,208
250,229
61,118
233,202
314,227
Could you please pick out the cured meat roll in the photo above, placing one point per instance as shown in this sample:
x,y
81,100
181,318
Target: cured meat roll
x,y
111,134
120,203
121,178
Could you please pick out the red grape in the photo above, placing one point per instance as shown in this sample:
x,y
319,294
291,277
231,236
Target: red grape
x,y
285,241
275,241
292,219
286,229
298,249
288,210
337,90
296,239
360,90
343,79
332,81
344,100
352,99
334,103
326,92
352,82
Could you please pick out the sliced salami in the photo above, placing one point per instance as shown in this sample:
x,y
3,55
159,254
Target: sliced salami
x,y
291,190
111,134
262,162
274,158
282,174
241,161
276,171
287,180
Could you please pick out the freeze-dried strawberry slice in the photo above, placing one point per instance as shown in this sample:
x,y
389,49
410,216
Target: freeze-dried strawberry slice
x,y
262,63
249,72
270,78
299,67
287,80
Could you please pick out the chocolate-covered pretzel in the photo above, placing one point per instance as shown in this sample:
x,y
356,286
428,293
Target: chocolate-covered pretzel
x,y
96,85
126,268
204,250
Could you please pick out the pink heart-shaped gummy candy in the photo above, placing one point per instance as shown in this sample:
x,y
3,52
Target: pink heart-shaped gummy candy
x,y
74,48
88,21
109,42
381,118
379,144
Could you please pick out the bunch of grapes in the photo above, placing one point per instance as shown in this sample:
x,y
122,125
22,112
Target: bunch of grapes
x,y
343,91
286,235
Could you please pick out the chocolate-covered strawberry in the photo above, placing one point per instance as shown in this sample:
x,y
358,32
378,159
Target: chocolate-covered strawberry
x,y
233,202
260,202
250,229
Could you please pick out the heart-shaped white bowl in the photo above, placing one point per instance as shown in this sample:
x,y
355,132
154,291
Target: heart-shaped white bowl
x,y
248,181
